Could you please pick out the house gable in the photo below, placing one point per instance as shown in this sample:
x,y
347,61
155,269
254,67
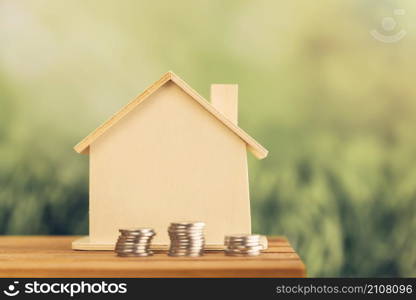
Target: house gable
x,y
168,160
258,150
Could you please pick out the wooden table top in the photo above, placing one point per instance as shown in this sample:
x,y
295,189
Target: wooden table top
x,y
51,256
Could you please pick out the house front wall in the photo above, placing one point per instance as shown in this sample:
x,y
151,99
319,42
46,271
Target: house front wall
x,y
168,160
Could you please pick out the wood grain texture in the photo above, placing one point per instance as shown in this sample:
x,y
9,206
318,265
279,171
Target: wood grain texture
x,y
51,256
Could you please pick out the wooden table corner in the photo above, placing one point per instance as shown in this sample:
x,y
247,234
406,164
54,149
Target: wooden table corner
x,y
52,256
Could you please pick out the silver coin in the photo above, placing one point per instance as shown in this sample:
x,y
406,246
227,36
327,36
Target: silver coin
x,y
136,236
131,245
185,239
128,248
243,237
141,246
184,254
133,251
187,236
125,244
187,244
185,232
141,250
132,248
251,244
191,236
174,244
238,240
176,241
186,249
242,241
196,233
186,228
187,225
130,238
137,233
124,250
142,229
134,240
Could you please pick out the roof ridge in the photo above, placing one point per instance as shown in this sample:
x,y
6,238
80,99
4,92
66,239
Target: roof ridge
x,y
83,146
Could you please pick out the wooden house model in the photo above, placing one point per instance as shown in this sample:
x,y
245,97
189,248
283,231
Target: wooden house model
x,y
169,155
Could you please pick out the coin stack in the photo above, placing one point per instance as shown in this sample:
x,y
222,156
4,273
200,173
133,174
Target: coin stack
x,y
243,245
134,242
186,239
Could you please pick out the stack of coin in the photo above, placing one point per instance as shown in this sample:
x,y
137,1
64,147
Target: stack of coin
x,y
243,245
135,242
186,239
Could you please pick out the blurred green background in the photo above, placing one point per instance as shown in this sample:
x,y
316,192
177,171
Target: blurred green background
x,y
335,107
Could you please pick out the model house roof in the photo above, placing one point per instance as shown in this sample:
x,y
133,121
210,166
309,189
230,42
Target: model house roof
x,y
258,150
